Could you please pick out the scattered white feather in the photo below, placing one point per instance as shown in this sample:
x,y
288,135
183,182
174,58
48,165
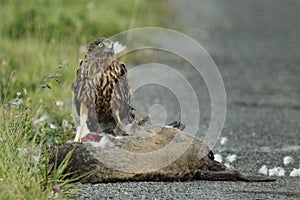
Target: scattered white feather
x,y
223,140
295,172
231,158
119,137
104,142
288,160
263,170
228,165
276,171
218,158
118,48
41,119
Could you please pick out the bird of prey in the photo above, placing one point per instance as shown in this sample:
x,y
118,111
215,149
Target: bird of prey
x,y
101,91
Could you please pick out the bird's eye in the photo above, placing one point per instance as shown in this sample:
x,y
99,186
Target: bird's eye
x,y
100,44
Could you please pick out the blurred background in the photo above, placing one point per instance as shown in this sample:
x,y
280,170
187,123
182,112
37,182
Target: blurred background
x,y
254,43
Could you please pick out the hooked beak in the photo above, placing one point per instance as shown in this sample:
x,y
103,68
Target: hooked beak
x,y
110,46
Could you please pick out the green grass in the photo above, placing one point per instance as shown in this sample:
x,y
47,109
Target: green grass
x,y
35,38
24,171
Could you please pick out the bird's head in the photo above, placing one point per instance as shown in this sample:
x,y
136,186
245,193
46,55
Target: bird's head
x,y
101,45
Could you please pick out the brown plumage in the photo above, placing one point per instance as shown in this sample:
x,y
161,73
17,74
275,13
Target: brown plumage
x,y
101,90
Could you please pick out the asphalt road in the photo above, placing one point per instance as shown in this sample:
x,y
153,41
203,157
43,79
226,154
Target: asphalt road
x,y
255,45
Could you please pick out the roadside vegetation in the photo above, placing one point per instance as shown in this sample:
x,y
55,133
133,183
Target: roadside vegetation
x,y
41,43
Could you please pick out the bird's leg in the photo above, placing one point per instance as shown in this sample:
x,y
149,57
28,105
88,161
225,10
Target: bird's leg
x,y
178,125
83,119
119,123
120,128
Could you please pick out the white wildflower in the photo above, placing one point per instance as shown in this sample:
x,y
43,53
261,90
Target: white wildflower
x,y
53,126
59,103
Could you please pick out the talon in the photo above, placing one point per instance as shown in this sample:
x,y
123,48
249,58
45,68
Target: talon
x,y
178,125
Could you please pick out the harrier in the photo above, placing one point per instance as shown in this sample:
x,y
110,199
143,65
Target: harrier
x,y
101,91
